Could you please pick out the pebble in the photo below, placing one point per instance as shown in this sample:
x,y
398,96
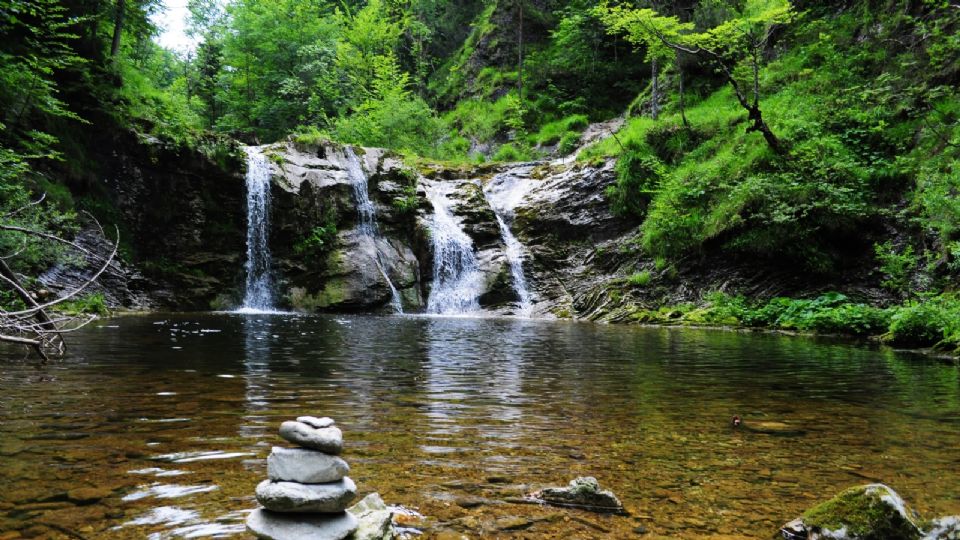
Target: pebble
x,y
315,422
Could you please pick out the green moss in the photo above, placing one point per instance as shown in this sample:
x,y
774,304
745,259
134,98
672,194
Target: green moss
x,y
864,515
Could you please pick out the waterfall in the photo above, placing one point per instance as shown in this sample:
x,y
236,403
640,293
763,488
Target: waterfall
x,y
457,281
367,214
504,193
259,286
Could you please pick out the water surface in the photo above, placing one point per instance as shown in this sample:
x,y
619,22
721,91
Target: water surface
x,y
159,426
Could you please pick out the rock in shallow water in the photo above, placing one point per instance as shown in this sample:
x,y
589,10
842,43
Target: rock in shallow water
x,y
873,511
294,497
375,518
584,492
305,466
328,440
269,526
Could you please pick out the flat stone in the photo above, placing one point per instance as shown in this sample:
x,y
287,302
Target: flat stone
x,y
376,519
88,495
305,466
267,525
294,497
315,422
584,492
328,440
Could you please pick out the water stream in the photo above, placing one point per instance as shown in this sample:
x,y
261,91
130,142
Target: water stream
x,y
504,193
166,420
368,220
457,281
259,284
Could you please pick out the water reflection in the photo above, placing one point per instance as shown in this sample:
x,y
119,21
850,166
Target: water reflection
x,y
164,423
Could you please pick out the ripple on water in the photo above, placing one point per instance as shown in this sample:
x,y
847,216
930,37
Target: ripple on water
x,y
168,491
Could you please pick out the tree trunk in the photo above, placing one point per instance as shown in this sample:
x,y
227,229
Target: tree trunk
x,y
117,27
655,91
40,315
520,49
683,112
754,114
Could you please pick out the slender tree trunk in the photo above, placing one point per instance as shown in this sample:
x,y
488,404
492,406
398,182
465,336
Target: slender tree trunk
x,y
683,110
117,27
655,91
520,49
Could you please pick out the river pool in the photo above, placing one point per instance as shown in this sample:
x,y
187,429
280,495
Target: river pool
x,y
158,426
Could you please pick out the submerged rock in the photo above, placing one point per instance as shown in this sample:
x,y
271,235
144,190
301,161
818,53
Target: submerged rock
x,y
584,492
305,466
375,518
269,526
870,512
293,497
328,440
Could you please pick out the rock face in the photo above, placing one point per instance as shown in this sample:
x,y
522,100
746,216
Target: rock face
x,y
304,466
270,526
583,492
870,512
328,440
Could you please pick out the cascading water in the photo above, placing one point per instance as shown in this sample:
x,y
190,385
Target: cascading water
x,y
457,281
368,219
259,286
504,193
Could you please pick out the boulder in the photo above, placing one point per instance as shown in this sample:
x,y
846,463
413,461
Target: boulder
x,y
584,492
376,519
305,466
328,440
270,526
293,497
869,512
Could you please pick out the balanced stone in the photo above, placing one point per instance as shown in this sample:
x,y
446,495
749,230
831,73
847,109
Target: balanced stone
x,y
328,440
315,422
305,466
294,497
269,526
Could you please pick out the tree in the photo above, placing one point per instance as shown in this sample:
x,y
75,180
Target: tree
x,y
744,37
34,323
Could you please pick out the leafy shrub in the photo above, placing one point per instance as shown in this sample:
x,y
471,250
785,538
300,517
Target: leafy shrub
x,y
568,143
897,267
510,152
318,242
928,322
91,304
639,175
554,132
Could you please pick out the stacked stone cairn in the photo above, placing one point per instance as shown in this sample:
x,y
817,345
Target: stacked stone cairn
x,y
308,490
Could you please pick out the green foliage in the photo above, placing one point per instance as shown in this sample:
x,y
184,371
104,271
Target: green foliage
x,y
928,322
554,132
511,152
896,267
640,279
319,242
90,304
639,176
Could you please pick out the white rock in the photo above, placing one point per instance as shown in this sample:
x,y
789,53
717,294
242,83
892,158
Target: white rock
x,y
305,466
376,519
294,497
267,525
315,422
328,440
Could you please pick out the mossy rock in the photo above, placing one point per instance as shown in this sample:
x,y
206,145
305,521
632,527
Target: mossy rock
x,y
869,512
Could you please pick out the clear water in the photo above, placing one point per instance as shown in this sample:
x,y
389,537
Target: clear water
x,y
504,193
258,295
368,219
457,282
172,417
